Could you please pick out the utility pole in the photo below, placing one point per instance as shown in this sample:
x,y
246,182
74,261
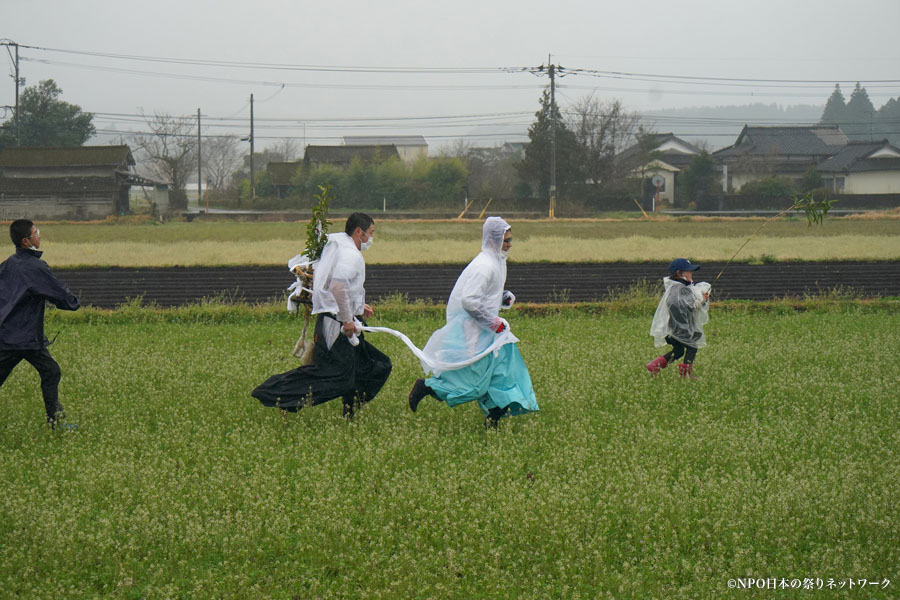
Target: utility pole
x,y
17,95
18,81
199,163
552,71
252,175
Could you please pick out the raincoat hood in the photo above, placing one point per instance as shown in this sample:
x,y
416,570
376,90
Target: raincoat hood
x,y
492,236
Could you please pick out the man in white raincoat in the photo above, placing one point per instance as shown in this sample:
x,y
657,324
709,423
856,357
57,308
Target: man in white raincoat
x,y
345,364
499,381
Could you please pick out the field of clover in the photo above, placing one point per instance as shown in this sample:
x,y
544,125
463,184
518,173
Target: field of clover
x,y
782,461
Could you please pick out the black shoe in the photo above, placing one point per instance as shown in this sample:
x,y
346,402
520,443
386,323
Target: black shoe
x,y
419,390
493,417
58,418
350,404
348,411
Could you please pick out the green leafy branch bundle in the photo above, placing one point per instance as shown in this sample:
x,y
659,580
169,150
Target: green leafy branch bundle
x,y
317,229
815,211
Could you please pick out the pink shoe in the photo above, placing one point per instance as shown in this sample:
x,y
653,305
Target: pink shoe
x,y
657,364
685,370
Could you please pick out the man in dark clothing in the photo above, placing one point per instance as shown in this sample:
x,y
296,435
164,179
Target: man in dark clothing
x,y
345,363
26,283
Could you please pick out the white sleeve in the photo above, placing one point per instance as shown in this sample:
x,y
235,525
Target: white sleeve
x,y
346,286
473,298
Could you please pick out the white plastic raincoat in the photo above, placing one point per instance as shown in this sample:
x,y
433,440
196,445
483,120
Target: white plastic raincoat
x,y
338,284
473,307
681,314
339,279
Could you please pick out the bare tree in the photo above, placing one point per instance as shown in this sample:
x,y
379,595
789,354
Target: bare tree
x,y
604,130
221,157
170,149
286,149
459,148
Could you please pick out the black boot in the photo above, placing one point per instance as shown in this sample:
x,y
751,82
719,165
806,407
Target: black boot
x,y
350,404
55,416
419,390
493,417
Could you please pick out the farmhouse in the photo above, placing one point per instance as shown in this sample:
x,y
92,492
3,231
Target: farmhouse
x,y
77,183
863,168
342,156
669,156
409,147
784,151
282,173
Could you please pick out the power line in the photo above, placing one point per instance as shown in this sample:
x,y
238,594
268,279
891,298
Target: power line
x,y
276,66
696,78
341,119
562,71
249,82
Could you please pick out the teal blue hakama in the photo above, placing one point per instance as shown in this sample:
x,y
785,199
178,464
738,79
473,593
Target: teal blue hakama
x,y
499,380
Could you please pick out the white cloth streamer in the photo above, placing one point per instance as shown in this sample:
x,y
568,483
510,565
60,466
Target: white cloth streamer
x,y
433,364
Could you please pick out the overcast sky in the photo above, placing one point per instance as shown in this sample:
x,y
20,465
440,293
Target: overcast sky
x,y
649,54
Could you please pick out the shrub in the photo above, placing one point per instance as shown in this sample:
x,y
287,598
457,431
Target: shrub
x,y
770,187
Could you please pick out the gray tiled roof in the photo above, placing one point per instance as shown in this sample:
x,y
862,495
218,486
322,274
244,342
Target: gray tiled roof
x,y
855,157
387,140
342,155
70,156
676,159
790,141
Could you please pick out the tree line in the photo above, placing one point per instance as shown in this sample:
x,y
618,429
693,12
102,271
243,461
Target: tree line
x,y
589,137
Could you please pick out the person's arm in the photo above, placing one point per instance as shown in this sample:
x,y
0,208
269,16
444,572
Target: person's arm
x,y
342,285
339,289
473,302
46,285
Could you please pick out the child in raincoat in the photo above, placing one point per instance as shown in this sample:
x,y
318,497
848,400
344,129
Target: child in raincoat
x,y
679,318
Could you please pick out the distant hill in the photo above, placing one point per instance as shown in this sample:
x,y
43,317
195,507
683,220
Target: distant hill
x,y
714,127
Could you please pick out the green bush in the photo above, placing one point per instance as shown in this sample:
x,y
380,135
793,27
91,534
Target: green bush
x,y
810,181
426,183
770,187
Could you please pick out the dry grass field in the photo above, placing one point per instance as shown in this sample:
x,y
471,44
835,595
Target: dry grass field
x,y
398,242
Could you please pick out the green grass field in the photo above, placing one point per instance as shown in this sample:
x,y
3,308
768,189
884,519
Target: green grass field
x,y
781,462
230,243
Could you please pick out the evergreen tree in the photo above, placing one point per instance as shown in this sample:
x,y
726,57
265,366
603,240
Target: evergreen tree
x,y
45,120
535,166
835,112
860,116
698,180
888,122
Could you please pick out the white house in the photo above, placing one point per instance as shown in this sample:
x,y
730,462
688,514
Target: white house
x,y
671,155
863,168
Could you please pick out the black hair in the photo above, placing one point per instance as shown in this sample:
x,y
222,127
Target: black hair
x,y
19,229
358,219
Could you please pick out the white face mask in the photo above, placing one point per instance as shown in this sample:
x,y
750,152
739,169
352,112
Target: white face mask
x,y
366,245
504,254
